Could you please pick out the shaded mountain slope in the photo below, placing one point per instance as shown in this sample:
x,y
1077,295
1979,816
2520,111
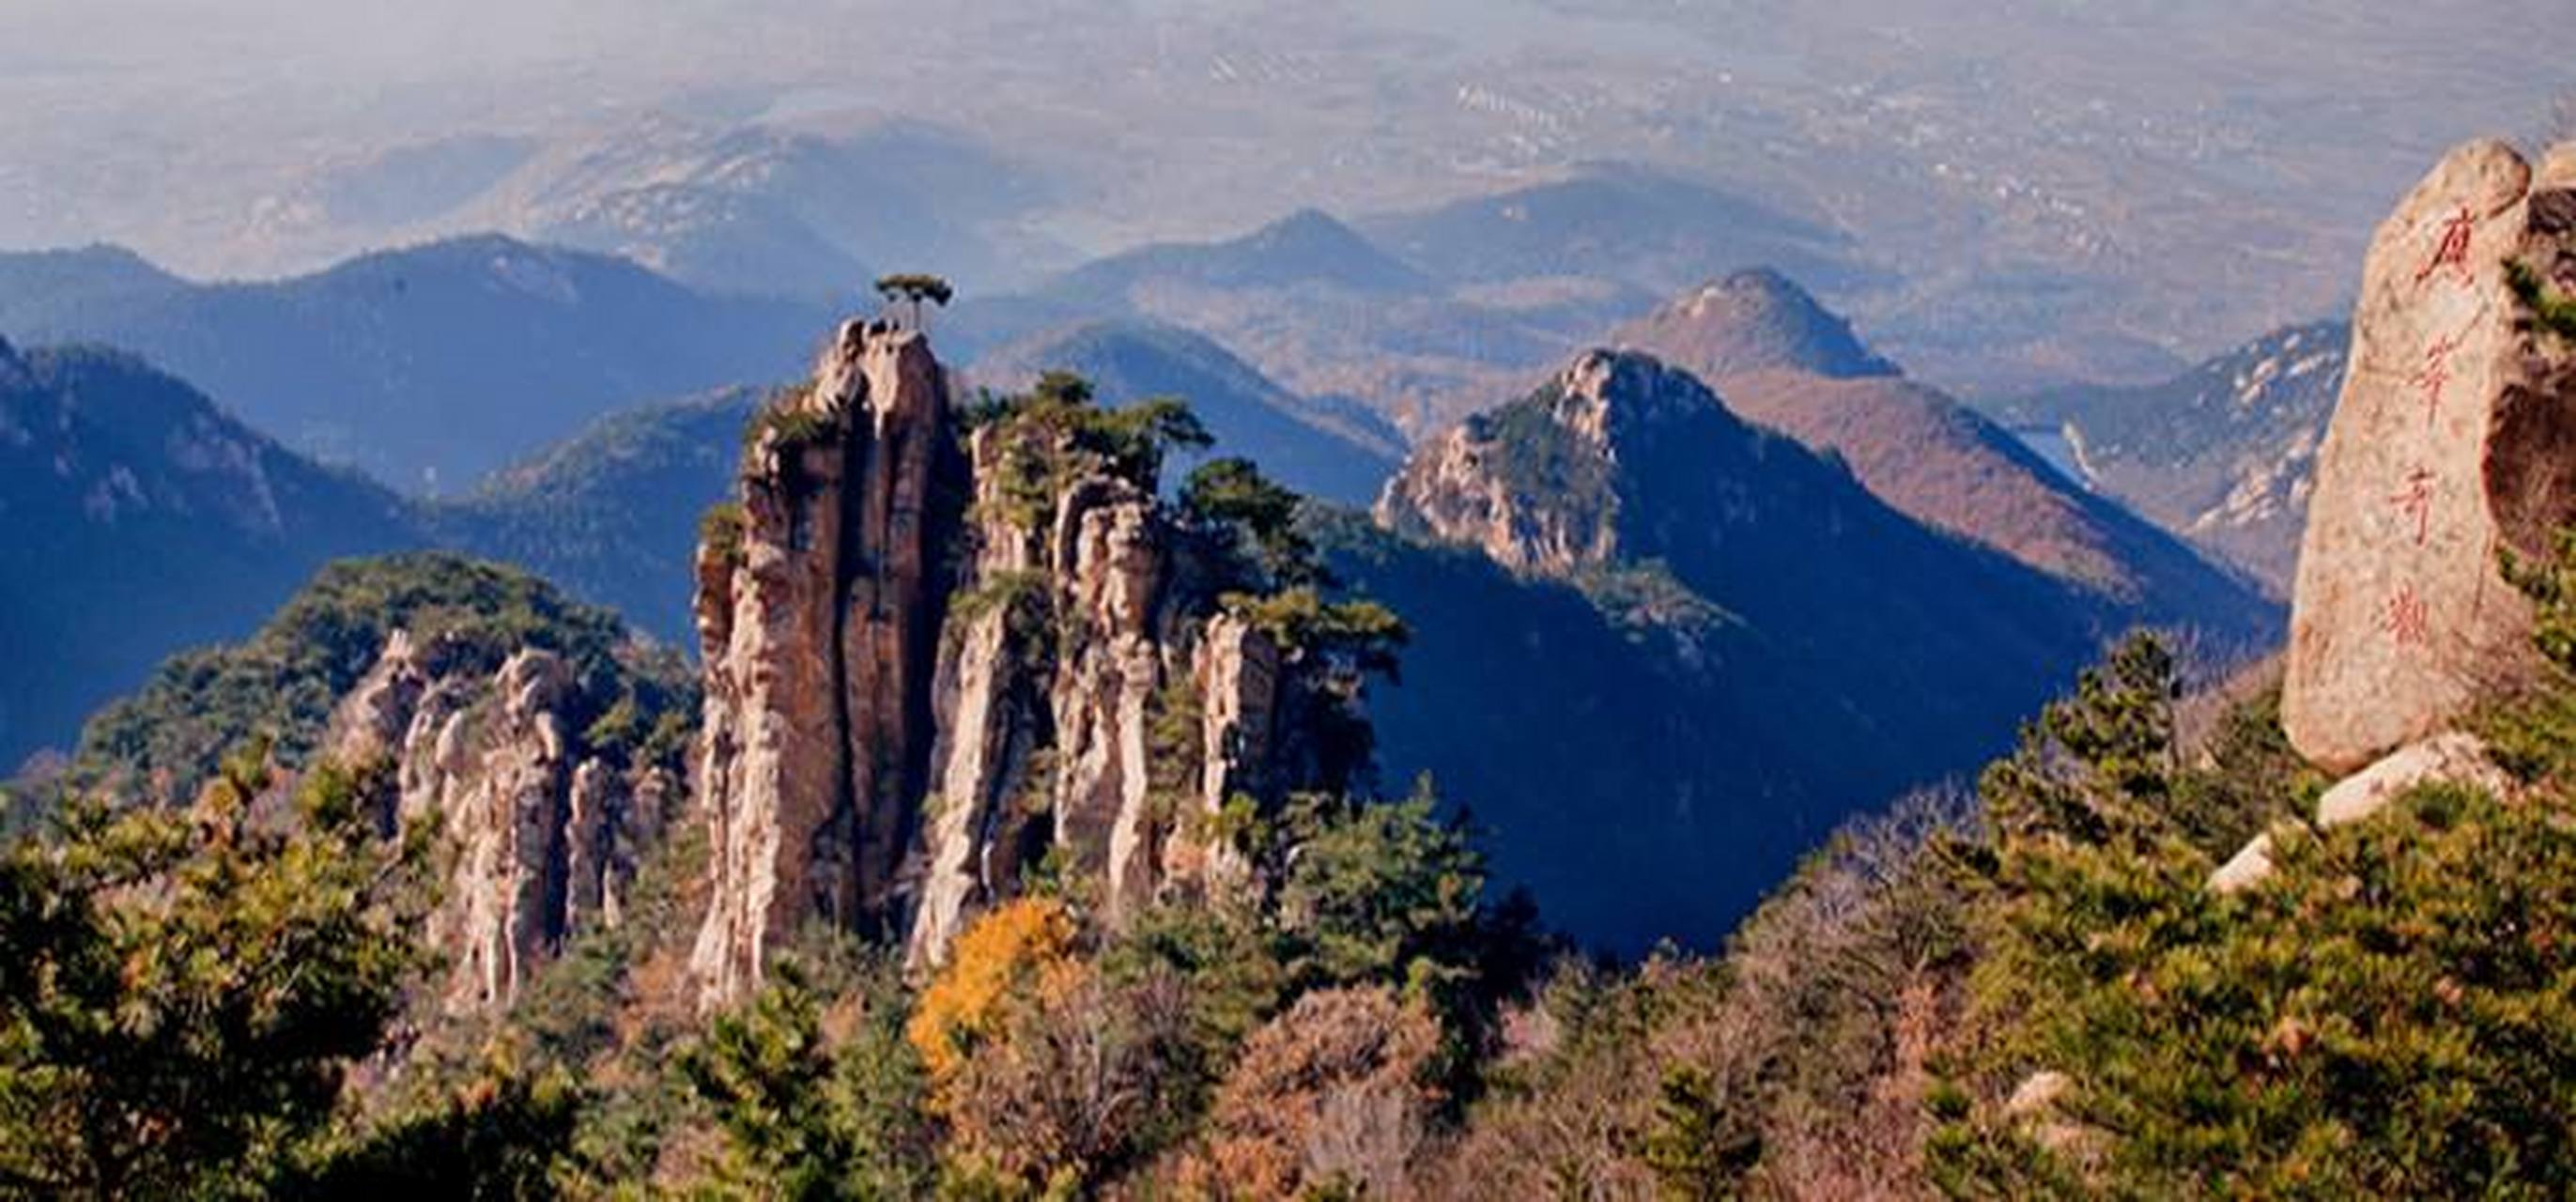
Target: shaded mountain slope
x,y
1725,644
2224,453
140,518
1785,362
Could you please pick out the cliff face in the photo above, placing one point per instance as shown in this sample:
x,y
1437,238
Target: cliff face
x,y
540,830
1538,485
935,657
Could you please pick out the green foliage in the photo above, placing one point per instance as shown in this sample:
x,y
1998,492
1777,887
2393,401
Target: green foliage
x,y
2097,767
1393,893
2385,1015
720,532
1026,599
465,615
181,994
1700,1147
1053,434
1134,437
1229,975
507,1135
1647,597
1363,633
1233,500
2554,311
804,1118
788,425
2391,1014
2551,586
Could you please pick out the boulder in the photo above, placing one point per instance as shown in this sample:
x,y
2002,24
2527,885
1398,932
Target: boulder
x,y
2452,758
2444,759
2453,442
2247,868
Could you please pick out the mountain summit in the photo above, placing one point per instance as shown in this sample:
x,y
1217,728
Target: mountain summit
x,y
1786,362
1752,321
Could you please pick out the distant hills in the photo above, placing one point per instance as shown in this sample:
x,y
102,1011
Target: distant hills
x,y
1749,321
775,210
2224,453
1675,643
177,523
428,366
1308,247
1650,229
1425,315
1782,360
140,519
1761,647
611,514
1337,450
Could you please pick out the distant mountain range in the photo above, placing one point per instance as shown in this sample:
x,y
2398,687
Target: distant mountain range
x,y
1337,450
777,211
1782,360
177,524
427,367
1615,221
2224,453
611,514
1741,639
137,519
1425,315
1797,650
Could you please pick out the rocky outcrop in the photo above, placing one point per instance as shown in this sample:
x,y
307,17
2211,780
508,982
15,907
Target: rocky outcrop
x,y
1536,486
934,659
2453,442
818,609
539,832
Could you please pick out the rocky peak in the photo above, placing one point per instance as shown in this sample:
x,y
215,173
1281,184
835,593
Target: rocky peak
x,y
936,656
1539,483
1752,321
819,603
2451,444
542,827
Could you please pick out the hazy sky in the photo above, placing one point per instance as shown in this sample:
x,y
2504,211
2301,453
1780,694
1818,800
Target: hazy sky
x,y
199,131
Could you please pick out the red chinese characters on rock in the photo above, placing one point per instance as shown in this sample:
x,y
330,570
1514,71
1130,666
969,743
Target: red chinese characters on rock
x,y
2408,619
2451,254
2435,376
2414,500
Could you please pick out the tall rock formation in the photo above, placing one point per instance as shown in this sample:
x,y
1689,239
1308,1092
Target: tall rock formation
x,y
935,656
818,615
2453,443
541,829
